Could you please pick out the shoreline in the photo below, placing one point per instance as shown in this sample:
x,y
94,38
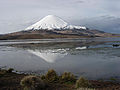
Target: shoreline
x,y
11,80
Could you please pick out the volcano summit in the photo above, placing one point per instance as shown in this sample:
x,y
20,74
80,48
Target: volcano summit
x,y
52,22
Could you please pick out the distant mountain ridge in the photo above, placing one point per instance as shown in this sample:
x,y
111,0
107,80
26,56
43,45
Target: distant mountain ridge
x,y
54,27
51,34
106,23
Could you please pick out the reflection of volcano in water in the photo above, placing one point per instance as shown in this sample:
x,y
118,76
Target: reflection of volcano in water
x,y
49,55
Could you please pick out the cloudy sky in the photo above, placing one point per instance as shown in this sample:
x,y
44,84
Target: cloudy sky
x,y
15,15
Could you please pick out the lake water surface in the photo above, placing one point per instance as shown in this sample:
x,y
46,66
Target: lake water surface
x,y
94,58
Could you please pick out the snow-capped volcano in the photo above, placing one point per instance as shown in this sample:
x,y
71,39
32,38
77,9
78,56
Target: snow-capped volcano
x,y
54,27
52,22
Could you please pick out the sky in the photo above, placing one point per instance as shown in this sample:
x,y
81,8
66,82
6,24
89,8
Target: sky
x,y
16,15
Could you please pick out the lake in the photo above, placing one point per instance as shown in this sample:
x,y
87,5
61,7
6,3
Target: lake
x,y
93,58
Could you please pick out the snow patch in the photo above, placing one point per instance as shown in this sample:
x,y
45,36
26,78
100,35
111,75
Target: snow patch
x,y
84,47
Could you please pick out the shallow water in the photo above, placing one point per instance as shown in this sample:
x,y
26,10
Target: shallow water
x,y
93,58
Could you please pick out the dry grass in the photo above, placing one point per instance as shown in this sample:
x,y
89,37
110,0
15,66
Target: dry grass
x,y
82,83
51,76
68,77
32,83
85,89
11,81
